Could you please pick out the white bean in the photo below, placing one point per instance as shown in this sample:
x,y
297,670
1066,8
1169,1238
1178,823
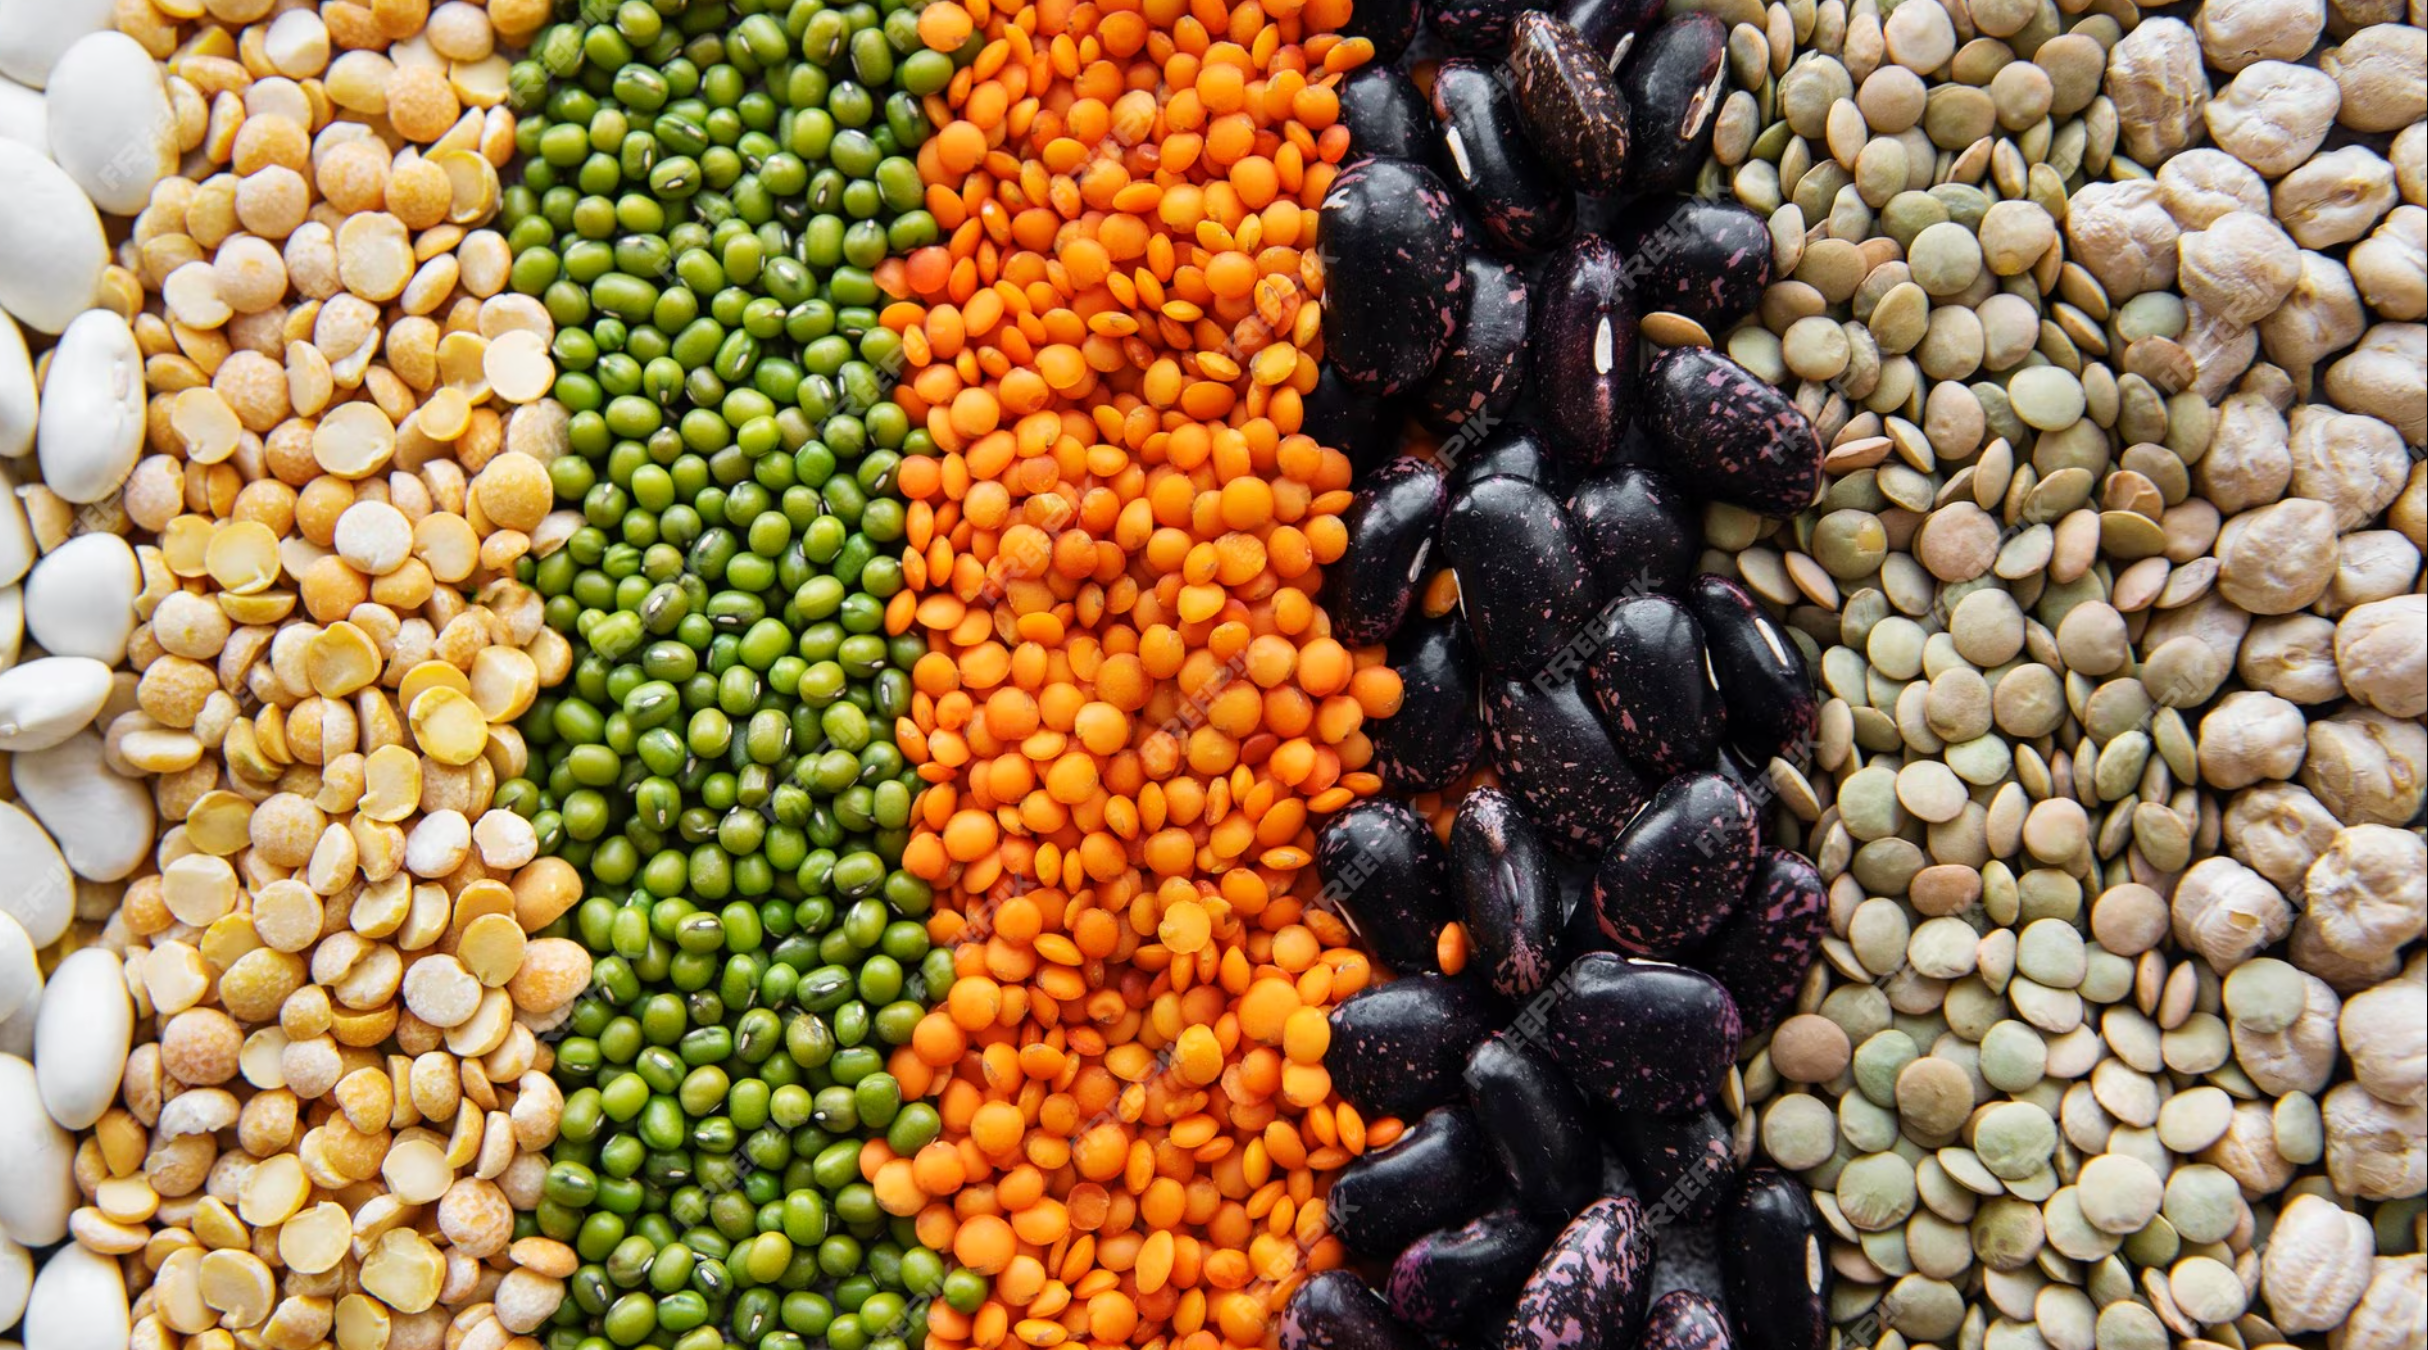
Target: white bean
x,y
20,984
23,116
52,238
37,1184
110,124
47,700
80,599
79,1303
91,427
16,1280
103,823
40,896
12,624
17,399
82,1037
33,33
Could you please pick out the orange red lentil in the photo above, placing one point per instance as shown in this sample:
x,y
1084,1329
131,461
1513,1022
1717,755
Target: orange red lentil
x,y
1133,711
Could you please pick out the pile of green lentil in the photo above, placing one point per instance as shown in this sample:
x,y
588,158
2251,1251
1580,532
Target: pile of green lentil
x,y
706,190
2110,322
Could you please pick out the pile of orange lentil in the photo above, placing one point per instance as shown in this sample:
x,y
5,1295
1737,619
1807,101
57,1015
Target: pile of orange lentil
x,y
1132,715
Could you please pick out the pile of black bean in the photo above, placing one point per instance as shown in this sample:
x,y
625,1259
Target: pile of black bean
x,y
1490,254
1626,926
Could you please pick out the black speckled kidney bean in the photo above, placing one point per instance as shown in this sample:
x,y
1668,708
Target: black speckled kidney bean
x,y
1475,27
1392,304
1654,686
1673,83
1512,448
1485,367
1684,1320
1536,1123
1571,102
1509,893
1773,1266
1683,1166
1639,531
1761,955
1679,867
1609,27
1641,1035
1438,1173
1398,1049
1458,1281
1390,522
1389,24
1771,710
1388,873
1521,205
1704,257
1334,1310
1584,343
1437,731
1555,757
1365,427
1523,585
1386,116
1732,436
1589,1292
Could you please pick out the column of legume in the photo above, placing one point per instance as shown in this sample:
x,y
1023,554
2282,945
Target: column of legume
x,y
705,194
1132,707
2119,769
336,1100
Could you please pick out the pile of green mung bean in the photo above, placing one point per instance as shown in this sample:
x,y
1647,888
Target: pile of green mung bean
x,y
706,191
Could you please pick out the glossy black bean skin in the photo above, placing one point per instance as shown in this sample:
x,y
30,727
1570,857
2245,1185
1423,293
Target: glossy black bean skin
x,y
1678,869
1771,707
1455,1282
1388,319
1383,868
1706,258
1571,103
1398,1049
1535,1122
1386,116
1389,24
1683,1166
1673,82
1641,1036
1509,893
1437,731
1584,346
1522,205
1365,427
1773,1266
1391,521
1555,757
1590,1289
1523,583
1484,368
1640,531
1474,27
1514,449
1609,27
1723,429
1761,954
1654,686
1334,1310
1438,1173
1684,1320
